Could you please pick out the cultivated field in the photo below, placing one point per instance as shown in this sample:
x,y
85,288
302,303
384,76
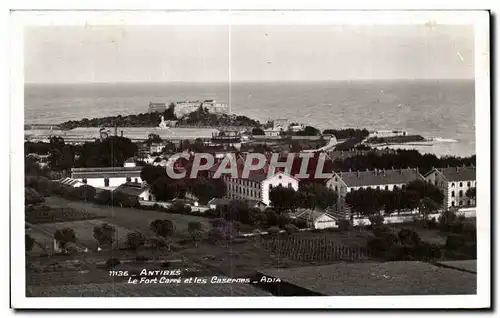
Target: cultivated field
x,y
59,214
129,218
316,248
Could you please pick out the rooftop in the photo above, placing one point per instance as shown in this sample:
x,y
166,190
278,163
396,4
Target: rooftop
x,y
389,278
379,177
104,172
308,214
131,188
458,173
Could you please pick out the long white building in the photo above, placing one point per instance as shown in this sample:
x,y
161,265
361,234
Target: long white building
x,y
107,177
344,182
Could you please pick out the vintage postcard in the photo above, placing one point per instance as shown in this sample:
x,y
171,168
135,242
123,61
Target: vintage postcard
x,y
240,157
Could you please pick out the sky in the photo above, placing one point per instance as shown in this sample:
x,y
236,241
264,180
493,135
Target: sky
x,y
210,53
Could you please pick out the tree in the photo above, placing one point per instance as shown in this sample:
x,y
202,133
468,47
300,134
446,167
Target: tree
x,y
283,198
376,219
86,193
104,234
103,197
312,195
195,229
165,189
164,229
154,138
29,242
291,229
309,131
471,194
135,240
428,206
151,173
257,131
207,189
65,236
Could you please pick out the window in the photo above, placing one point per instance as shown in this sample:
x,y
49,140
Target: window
x,y
386,188
106,182
453,184
335,179
460,184
435,182
84,180
452,194
129,179
290,185
461,202
452,203
136,180
460,193
469,203
336,188
468,184
279,177
378,188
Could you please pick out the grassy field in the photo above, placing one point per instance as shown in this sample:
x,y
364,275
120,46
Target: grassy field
x,y
84,231
129,218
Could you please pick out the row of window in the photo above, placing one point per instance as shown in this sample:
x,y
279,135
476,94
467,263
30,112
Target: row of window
x,y
106,181
244,182
376,188
243,191
460,203
460,184
460,194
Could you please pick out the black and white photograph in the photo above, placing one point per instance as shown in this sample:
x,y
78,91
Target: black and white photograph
x,y
173,159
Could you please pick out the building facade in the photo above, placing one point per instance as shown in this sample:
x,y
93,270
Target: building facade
x,y
157,107
185,107
108,177
344,182
454,183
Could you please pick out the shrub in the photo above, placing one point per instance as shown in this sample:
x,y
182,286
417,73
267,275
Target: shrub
x,y
381,231
103,197
344,225
273,231
104,234
455,242
409,237
135,240
300,223
65,236
157,242
112,263
163,228
376,245
215,235
29,242
141,258
291,229
376,219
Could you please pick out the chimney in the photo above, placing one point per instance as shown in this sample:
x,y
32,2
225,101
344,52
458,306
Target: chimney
x,y
121,133
357,173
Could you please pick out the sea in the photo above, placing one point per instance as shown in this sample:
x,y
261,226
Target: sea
x,y
439,109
